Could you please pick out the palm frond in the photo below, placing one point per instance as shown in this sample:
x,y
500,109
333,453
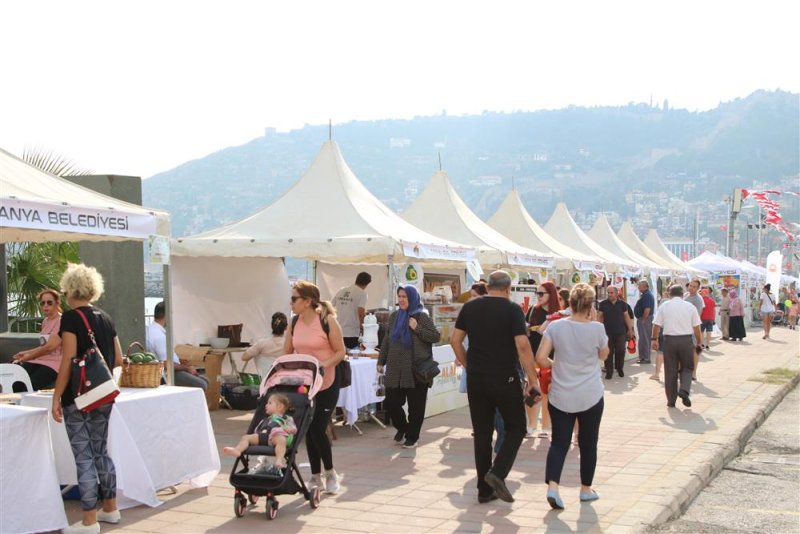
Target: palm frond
x,y
51,162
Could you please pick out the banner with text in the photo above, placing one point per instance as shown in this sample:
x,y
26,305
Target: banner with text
x,y
43,216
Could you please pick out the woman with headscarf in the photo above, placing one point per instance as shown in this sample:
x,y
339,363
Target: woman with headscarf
x,y
410,340
736,328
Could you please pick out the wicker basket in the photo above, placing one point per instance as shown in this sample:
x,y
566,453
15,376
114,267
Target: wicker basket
x,y
139,375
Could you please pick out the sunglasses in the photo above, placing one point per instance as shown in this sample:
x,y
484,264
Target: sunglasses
x,y
541,293
46,302
295,298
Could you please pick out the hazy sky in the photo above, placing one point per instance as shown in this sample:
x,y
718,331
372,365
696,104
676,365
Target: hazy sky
x,y
139,87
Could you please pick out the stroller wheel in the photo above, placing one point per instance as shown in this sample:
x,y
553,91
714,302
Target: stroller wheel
x,y
252,498
239,505
272,508
314,500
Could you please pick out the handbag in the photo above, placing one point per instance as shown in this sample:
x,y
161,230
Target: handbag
x,y
346,372
91,381
232,332
426,370
545,375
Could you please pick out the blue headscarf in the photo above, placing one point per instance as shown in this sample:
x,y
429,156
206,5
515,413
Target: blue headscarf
x,y
401,332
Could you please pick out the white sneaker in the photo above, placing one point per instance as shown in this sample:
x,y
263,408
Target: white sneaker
x,y
316,482
80,528
331,482
109,517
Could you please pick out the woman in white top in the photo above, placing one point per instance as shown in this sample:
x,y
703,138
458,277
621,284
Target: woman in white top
x,y
767,309
266,349
576,390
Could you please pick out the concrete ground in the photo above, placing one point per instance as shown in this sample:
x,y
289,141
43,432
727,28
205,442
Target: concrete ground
x,y
760,490
652,462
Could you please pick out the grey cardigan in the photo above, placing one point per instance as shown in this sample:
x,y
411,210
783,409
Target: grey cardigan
x,y
398,358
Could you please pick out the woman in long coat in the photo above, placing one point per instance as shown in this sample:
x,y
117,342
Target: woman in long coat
x,y
409,340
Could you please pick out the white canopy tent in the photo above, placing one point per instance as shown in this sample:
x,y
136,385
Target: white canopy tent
x,y
602,234
440,209
629,237
38,206
513,221
342,222
562,226
715,263
654,243
327,216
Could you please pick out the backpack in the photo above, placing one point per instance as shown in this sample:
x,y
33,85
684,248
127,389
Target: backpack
x,y
343,367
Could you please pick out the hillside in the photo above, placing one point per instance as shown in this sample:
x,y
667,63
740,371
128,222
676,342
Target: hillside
x,y
587,157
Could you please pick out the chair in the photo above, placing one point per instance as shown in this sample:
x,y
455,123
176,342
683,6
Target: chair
x,y
11,373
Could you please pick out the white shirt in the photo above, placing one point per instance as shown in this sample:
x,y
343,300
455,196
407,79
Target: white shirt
x,y
347,302
157,342
265,350
676,317
766,303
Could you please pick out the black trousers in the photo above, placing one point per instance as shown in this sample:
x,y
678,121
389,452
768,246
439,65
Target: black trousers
x,y
417,398
616,356
41,376
588,434
318,446
351,342
487,394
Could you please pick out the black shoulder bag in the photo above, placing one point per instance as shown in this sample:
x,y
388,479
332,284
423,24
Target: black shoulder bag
x,y
91,381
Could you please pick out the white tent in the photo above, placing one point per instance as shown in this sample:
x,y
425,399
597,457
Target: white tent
x,y
440,209
327,215
562,226
37,206
654,243
512,220
629,237
603,234
715,263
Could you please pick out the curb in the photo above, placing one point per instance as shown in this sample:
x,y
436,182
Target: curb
x,y
676,505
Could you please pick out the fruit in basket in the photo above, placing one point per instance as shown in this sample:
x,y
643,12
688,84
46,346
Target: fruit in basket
x,y
143,357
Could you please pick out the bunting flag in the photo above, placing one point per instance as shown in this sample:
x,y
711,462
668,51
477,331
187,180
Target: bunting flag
x,y
771,209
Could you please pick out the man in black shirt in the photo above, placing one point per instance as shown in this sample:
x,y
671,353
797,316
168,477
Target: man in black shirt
x,y
613,313
498,342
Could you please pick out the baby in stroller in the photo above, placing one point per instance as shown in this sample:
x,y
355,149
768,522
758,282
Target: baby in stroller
x,y
277,429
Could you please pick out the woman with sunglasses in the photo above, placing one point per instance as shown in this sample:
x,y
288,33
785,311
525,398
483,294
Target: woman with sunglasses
x,y
546,304
307,335
42,363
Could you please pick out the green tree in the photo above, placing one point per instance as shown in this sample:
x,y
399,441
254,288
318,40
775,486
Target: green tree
x,y
32,267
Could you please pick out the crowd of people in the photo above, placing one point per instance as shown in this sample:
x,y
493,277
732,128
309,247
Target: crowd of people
x,y
520,368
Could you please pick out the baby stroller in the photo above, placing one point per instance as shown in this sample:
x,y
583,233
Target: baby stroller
x,y
298,377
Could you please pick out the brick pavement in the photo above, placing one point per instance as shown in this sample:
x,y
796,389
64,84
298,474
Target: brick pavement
x,y
651,461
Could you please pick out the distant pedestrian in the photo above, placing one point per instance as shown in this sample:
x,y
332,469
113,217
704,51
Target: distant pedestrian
x,y
497,341
613,313
707,319
725,314
576,391
767,309
737,330
643,311
792,306
547,304
679,321
697,301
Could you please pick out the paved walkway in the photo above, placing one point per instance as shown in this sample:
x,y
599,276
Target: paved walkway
x,y
652,460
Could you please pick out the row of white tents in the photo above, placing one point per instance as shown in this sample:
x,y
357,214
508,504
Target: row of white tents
x,y
236,273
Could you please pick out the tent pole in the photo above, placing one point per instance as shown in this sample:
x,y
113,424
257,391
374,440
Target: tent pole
x,y
391,299
169,364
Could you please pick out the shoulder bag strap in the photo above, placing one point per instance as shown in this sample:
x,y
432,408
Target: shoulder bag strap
x,y
88,328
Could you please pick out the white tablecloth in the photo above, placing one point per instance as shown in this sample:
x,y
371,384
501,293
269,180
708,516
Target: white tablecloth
x,y
30,499
362,391
157,437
